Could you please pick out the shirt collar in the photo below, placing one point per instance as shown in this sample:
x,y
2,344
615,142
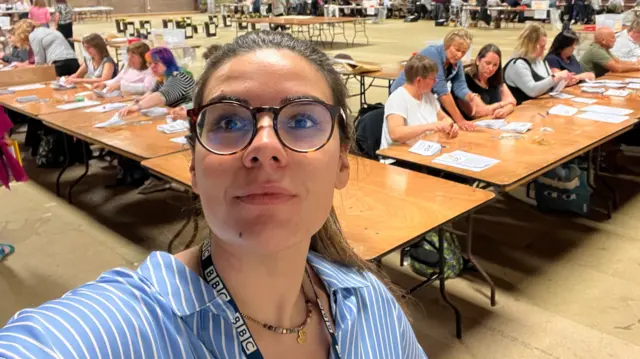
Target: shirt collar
x,y
443,59
185,292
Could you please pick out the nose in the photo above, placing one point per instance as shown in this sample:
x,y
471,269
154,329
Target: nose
x,y
265,149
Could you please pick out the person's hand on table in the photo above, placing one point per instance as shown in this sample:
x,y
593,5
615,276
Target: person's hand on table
x,y
178,113
72,80
129,110
467,126
112,87
98,86
563,75
448,128
588,76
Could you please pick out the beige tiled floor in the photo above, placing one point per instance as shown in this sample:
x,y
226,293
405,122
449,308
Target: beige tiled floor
x,y
568,287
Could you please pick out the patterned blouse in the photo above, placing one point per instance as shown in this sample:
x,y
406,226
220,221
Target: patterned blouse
x,y
66,13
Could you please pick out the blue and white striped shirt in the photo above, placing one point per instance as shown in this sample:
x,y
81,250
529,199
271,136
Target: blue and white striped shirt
x,y
164,310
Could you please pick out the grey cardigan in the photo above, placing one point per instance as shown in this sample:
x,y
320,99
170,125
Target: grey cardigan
x,y
49,46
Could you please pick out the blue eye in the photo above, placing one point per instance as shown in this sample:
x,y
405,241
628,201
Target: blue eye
x,y
232,123
302,121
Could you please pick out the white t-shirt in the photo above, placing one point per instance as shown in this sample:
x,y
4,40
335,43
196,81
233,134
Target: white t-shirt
x,y
415,112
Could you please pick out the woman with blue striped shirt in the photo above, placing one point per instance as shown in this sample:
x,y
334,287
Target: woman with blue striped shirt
x,y
275,278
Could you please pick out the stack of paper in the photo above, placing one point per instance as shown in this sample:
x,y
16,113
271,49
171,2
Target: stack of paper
x,y
590,84
155,111
106,108
9,67
26,87
174,127
634,86
491,124
102,94
181,140
465,160
426,148
563,110
637,81
607,110
74,105
517,127
115,120
615,85
618,93
6,92
584,100
561,95
593,90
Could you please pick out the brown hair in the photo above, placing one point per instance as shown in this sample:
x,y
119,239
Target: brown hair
x,y
210,51
419,66
97,42
140,49
529,38
461,34
39,3
495,80
21,32
635,25
329,241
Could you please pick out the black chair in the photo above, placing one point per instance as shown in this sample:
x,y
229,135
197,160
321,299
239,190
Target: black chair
x,y
168,24
145,26
121,27
210,29
369,133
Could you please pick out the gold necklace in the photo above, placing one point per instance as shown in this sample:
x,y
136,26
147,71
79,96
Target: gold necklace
x,y
300,330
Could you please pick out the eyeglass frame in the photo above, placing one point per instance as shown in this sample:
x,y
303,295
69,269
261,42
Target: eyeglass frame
x,y
334,112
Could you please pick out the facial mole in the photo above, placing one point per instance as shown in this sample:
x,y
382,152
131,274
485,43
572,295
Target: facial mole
x,y
240,235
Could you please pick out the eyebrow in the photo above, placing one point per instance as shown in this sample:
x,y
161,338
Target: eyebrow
x,y
243,101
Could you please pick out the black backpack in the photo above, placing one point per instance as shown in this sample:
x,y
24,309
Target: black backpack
x,y
369,130
51,150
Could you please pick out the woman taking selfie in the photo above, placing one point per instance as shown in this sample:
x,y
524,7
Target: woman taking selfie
x,y
98,66
136,78
484,78
275,278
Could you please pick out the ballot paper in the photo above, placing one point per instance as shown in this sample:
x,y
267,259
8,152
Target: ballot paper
x,y
26,99
61,86
102,94
517,127
74,105
560,95
604,81
584,100
607,110
563,110
559,87
106,108
6,92
634,86
9,67
593,89
602,117
115,120
615,85
155,111
637,81
491,124
174,126
26,87
426,148
590,84
466,160
181,140
617,93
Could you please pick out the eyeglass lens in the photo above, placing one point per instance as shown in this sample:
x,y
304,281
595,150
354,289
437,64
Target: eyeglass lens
x,y
228,127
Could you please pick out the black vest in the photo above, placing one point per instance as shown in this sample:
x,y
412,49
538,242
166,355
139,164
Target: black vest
x,y
517,93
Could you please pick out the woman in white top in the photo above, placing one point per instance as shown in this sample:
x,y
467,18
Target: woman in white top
x,y
99,66
136,77
412,110
527,74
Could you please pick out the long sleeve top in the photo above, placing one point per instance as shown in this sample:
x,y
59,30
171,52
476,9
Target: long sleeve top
x,y
134,81
519,75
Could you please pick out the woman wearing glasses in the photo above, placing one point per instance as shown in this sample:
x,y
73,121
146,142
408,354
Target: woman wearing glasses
x,y
527,75
275,278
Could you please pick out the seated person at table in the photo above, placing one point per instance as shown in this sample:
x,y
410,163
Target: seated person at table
x,y
447,57
17,54
136,77
98,66
627,46
48,46
560,57
527,74
598,58
484,78
174,87
412,110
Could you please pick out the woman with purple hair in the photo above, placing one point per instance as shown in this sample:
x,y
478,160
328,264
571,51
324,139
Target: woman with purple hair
x,y
174,87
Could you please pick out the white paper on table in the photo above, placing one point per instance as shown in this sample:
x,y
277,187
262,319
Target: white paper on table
x,y
115,120
74,105
106,108
102,94
517,127
615,86
603,81
590,84
84,93
26,87
634,86
181,140
560,95
491,124
426,148
9,67
617,93
174,126
593,89
563,110
155,111
584,100
466,160
637,81
602,117
607,110
559,86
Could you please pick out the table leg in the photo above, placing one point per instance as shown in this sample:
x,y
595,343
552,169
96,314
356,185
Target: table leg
x,y
614,193
443,290
67,155
82,176
475,263
179,232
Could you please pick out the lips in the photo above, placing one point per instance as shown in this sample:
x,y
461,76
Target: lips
x,y
265,195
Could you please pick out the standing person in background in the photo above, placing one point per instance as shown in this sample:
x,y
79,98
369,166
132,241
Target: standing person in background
x,y
39,13
63,20
279,8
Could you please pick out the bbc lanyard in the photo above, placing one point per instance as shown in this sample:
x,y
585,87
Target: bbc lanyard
x,y
249,346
